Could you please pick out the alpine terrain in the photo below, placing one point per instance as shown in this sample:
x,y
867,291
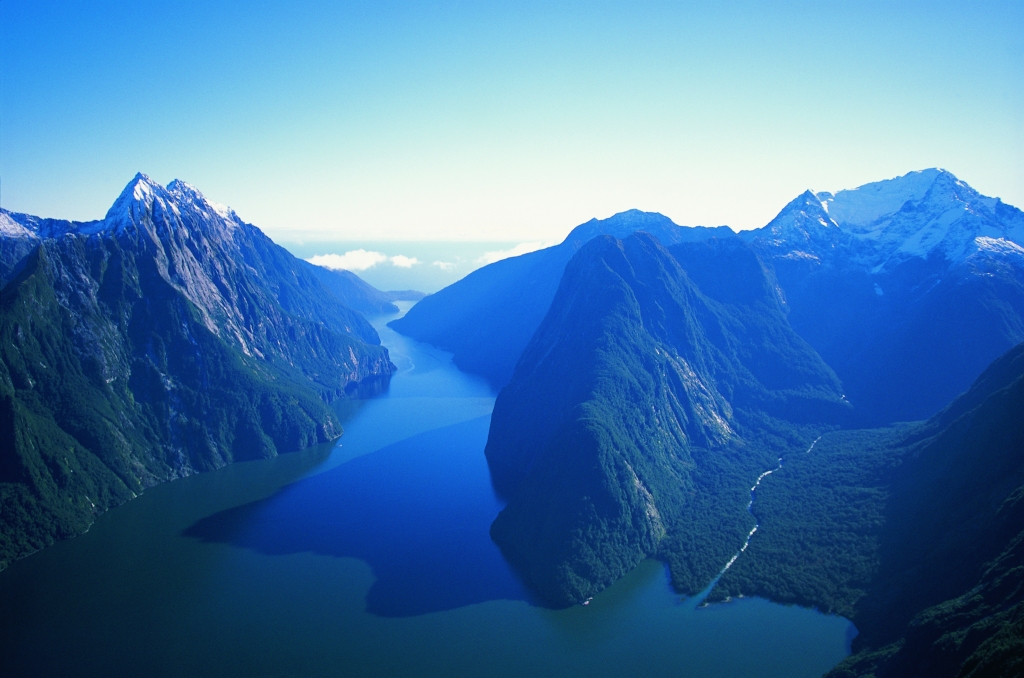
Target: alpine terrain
x,y
168,338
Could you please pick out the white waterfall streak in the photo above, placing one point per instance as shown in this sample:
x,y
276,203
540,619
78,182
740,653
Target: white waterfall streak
x,y
750,509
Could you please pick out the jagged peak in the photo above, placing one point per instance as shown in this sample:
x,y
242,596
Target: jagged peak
x,y
192,194
136,197
807,209
143,195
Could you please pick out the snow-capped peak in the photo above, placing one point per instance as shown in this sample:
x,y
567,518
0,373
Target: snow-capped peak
x,y
135,200
804,214
862,206
192,194
921,215
167,205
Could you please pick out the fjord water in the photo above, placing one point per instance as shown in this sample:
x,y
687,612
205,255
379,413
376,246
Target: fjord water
x,y
370,557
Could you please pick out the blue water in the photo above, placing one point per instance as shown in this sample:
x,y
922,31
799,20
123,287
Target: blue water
x,y
366,558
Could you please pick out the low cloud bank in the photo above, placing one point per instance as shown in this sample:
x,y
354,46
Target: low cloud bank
x,y
361,260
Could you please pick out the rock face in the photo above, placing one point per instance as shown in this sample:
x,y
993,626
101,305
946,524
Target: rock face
x,y
168,338
623,432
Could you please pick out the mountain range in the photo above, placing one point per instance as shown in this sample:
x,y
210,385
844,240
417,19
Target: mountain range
x,y
734,404
167,338
672,373
883,281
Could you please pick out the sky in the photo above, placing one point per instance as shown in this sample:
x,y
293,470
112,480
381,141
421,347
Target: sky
x,y
501,122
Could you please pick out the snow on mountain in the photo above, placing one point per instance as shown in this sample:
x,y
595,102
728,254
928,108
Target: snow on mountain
x,y
865,205
802,230
177,206
999,246
9,228
943,222
928,214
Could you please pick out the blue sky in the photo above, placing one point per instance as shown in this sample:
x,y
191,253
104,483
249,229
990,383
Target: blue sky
x,y
504,122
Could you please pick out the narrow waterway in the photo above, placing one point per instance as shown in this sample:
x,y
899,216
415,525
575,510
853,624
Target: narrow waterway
x,y
370,557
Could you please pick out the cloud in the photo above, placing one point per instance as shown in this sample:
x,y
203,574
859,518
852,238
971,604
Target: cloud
x,y
353,260
521,248
403,261
360,260
444,265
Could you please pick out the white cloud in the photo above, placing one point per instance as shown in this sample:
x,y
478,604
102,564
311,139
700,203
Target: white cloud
x,y
521,248
444,265
353,260
360,260
403,261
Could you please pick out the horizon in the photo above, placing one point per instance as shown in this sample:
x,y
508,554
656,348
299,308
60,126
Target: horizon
x,y
429,265
458,124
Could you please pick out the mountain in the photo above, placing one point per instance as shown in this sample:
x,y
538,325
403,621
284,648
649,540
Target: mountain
x,y
487,318
915,532
359,295
168,338
908,287
642,409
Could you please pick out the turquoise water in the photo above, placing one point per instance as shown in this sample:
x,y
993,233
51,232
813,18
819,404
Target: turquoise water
x,y
367,558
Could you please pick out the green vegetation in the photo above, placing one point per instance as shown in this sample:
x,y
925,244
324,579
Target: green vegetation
x,y
649,418
487,319
661,384
915,532
819,516
113,378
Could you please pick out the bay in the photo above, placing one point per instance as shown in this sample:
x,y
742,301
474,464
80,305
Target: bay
x,y
369,557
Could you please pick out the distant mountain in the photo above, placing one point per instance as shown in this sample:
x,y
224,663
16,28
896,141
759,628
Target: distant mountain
x,y
908,288
487,318
167,338
641,410
915,532
359,295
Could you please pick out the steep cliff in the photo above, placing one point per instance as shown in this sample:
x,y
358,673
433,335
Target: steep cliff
x,y
169,338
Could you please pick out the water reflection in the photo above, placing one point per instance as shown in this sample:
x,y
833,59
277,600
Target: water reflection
x,y
418,512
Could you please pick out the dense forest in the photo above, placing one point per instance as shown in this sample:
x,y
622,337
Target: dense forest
x,y
166,340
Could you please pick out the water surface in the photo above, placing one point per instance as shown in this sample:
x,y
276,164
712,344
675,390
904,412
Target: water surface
x,y
366,558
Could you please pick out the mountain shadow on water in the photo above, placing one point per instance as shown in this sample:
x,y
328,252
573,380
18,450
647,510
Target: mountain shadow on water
x,y
417,512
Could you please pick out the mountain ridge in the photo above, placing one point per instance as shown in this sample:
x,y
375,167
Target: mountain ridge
x,y
487,318
633,377
167,339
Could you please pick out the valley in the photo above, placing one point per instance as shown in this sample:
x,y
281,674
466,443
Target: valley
x,y
824,412
343,559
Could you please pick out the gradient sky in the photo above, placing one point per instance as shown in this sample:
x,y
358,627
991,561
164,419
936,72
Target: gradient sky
x,y
505,122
